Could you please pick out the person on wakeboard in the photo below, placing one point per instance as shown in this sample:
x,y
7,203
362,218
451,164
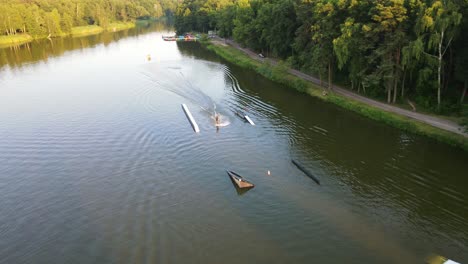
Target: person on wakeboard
x,y
217,119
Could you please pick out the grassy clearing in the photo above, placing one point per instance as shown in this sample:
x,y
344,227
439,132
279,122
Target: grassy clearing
x,y
117,26
86,30
13,40
18,39
93,29
279,74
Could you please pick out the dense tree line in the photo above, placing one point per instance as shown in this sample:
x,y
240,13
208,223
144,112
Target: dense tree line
x,y
392,49
55,17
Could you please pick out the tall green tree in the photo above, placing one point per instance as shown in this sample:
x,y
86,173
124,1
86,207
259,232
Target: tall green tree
x,y
325,27
388,24
52,21
244,28
225,21
387,48
436,28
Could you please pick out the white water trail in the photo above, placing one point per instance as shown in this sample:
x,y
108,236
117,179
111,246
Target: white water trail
x,y
173,80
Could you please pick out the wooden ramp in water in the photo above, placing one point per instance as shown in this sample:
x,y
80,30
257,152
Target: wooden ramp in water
x,y
239,181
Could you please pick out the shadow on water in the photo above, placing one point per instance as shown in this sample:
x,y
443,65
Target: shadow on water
x,y
410,183
195,50
239,191
399,181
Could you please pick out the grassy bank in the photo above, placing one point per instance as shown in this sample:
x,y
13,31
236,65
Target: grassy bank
x,y
114,27
279,74
18,39
93,29
86,30
14,40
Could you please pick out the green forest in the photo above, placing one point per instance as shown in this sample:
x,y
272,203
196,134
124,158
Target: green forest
x,y
400,51
39,18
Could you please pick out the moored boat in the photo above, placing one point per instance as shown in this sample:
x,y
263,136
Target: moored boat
x,y
239,181
186,37
169,38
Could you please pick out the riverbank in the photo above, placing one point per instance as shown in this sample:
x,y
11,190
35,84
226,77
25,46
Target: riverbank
x,y
114,27
86,30
93,29
440,129
19,39
12,40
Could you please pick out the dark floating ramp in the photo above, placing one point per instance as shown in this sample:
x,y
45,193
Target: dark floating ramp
x,y
245,117
240,115
306,172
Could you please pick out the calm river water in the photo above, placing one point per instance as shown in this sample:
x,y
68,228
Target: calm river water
x,y
98,164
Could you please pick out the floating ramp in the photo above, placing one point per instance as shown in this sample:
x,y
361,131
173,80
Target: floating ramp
x,y
249,120
245,117
239,181
306,172
191,119
241,185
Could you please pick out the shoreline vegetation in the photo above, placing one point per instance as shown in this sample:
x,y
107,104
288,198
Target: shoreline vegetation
x,y
86,30
14,40
93,29
81,31
280,74
24,21
410,54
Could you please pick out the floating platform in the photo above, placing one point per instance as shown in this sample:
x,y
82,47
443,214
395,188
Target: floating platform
x,y
249,120
191,119
239,181
245,117
306,172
